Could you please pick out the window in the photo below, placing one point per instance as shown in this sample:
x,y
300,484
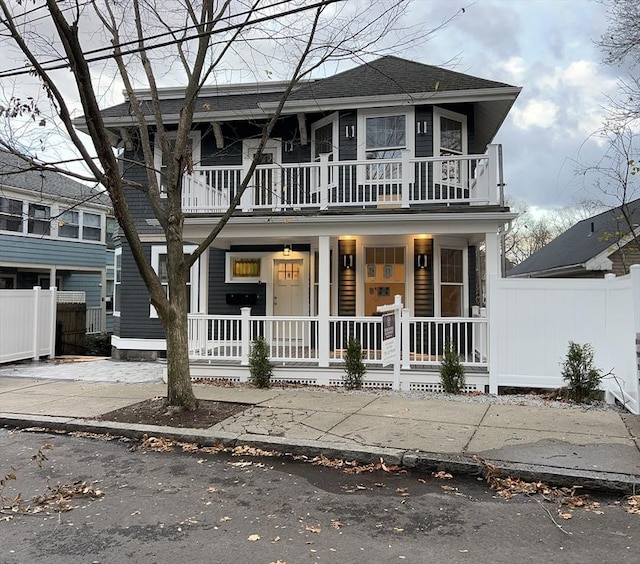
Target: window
x,y
450,138
108,300
194,292
117,281
323,134
242,267
91,226
111,229
385,273
10,215
39,219
386,136
451,282
69,224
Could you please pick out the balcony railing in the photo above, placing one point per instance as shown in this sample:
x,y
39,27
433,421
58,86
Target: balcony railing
x,y
325,183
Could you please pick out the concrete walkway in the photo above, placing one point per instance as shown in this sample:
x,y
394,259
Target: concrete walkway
x,y
564,446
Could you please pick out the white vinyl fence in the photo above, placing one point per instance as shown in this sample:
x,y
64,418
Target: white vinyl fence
x,y
27,324
532,322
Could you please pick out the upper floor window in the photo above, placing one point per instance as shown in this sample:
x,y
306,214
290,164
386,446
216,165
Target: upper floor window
x,y
69,224
91,226
386,136
39,219
10,214
75,224
111,229
117,281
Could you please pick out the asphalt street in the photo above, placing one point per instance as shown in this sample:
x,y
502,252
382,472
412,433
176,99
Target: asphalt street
x,y
165,507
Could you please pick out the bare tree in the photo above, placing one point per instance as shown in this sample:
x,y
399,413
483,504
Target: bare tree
x,y
146,39
621,45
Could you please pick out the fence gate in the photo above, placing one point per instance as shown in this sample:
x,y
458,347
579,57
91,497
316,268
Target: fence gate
x,y
70,328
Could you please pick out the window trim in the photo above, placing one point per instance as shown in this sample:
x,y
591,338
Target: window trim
x,y
117,280
409,123
35,220
21,216
330,119
197,279
455,116
457,244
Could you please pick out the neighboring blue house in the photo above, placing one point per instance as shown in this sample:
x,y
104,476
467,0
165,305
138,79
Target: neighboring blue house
x,y
55,231
378,181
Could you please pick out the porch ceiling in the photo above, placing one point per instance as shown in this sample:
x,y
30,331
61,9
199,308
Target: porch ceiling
x,y
307,228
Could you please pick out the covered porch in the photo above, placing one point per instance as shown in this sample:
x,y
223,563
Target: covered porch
x,y
310,350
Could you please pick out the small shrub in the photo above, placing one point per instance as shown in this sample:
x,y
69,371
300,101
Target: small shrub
x,y
582,377
354,368
451,371
98,345
260,367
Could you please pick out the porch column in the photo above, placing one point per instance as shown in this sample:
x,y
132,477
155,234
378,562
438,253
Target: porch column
x,y
324,300
492,273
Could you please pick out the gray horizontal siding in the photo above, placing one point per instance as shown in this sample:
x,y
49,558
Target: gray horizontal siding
x,y
88,283
135,322
35,250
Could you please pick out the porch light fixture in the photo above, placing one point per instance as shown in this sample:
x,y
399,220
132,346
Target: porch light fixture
x,y
347,261
287,250
421,127
350,131
421,260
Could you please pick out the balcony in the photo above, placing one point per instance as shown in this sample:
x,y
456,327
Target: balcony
x,y
328,184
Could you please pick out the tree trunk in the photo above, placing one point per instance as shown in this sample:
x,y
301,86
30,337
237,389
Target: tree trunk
x,y
179,389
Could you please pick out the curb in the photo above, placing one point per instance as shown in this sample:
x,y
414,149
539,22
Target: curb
x,y
420,461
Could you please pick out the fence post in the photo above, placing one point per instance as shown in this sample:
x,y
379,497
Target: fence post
x,y
245,331
36,319
52,329
405,333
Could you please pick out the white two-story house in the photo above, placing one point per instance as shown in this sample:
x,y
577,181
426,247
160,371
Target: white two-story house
x,y
379,181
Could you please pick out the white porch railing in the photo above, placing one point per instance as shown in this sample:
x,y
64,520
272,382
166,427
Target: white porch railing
x,y
295,339
94,320
326,183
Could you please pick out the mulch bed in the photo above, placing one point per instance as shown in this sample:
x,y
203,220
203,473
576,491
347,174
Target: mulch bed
x,y
155,412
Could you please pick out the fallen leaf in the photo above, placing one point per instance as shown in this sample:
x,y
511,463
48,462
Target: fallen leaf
x,y
212,489
253,538
312,529
336,524
224,519
442,475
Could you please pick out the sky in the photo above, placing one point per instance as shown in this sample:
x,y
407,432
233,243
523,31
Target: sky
x,y
546,47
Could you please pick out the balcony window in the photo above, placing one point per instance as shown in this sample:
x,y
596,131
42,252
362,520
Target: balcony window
x,y
386,136
39,219
10,215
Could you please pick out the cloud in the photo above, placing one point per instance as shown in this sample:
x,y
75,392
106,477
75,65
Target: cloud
x,y
536,113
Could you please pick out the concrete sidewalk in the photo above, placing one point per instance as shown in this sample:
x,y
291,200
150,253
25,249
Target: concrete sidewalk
x,y
563,446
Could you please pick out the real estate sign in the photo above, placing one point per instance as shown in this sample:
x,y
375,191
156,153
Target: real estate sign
x,y
389,339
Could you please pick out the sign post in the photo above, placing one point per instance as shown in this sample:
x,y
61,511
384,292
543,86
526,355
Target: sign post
x,y
391,337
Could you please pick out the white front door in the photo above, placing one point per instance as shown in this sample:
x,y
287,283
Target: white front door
x,y
288,287
266,182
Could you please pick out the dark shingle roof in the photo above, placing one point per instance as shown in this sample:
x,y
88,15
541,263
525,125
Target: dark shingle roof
x,y
580,243
17,173
385,76
392,75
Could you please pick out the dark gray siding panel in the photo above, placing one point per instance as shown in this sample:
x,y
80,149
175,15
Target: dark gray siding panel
x,y
88,283
424,139
218,289
135,322
348,145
